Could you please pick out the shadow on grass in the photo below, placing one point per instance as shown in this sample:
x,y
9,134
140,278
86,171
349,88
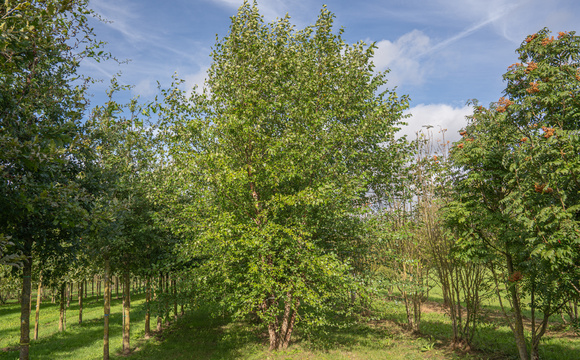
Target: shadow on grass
x,y
371,336
497,342
78,336
197,335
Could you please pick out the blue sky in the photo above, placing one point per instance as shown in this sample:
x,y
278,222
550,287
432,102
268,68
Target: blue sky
x,y
440,52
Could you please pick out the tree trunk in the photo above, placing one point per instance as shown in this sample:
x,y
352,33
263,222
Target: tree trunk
x,y
107,310
148,308
518,321
69,290
126,315
62,313
117,287
174,283
81,290
38,298
159,320
280,329
25,309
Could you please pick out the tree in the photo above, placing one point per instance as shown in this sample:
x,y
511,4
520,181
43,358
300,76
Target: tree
x,y
521,162
41,104
124,234
276,156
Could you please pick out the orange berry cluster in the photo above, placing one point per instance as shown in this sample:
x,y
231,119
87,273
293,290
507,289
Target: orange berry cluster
x,y
514,67
531,67
515,277
547,41
548,132
542,188
561,34
503,104
531,37
533,88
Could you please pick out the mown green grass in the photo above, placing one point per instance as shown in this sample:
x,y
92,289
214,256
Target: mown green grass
x,y
83,341
197,335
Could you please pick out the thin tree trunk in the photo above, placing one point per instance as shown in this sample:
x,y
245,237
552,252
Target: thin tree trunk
x,y
81,288
107,310
288,333
273,325
174,283
117,287
159,320
69,291
148,307
25,309
62,314
126,315
38,298
518,321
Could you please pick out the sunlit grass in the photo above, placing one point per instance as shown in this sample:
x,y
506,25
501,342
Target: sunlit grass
x,y
197,335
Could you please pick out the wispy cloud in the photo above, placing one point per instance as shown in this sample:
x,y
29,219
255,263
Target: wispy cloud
x,y
405,56
94,65
401,57
491,18
272,9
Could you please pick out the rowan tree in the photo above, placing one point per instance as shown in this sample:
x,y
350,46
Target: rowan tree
x,y
519,192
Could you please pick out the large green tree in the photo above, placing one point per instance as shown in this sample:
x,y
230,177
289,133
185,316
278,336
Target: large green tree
x,y
276,156
41,152
519,192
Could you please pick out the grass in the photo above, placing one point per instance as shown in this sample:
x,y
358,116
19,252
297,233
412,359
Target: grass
x,y
84,341
197,335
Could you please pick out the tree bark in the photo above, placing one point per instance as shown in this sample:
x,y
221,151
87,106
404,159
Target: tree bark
x,y
25,309
38,299
288,333
81,291
148,307
62,314
69,291
518,321
126,315
107,310
159,320
174,284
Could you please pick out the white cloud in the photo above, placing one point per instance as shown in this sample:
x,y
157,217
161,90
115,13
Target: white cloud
x,y
446,120
402,57
196,79
120,17
271,9
144,88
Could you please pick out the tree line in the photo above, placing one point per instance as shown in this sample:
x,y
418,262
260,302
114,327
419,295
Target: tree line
x,y
280,192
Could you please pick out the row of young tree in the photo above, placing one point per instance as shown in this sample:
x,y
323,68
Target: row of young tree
x,y
280,190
